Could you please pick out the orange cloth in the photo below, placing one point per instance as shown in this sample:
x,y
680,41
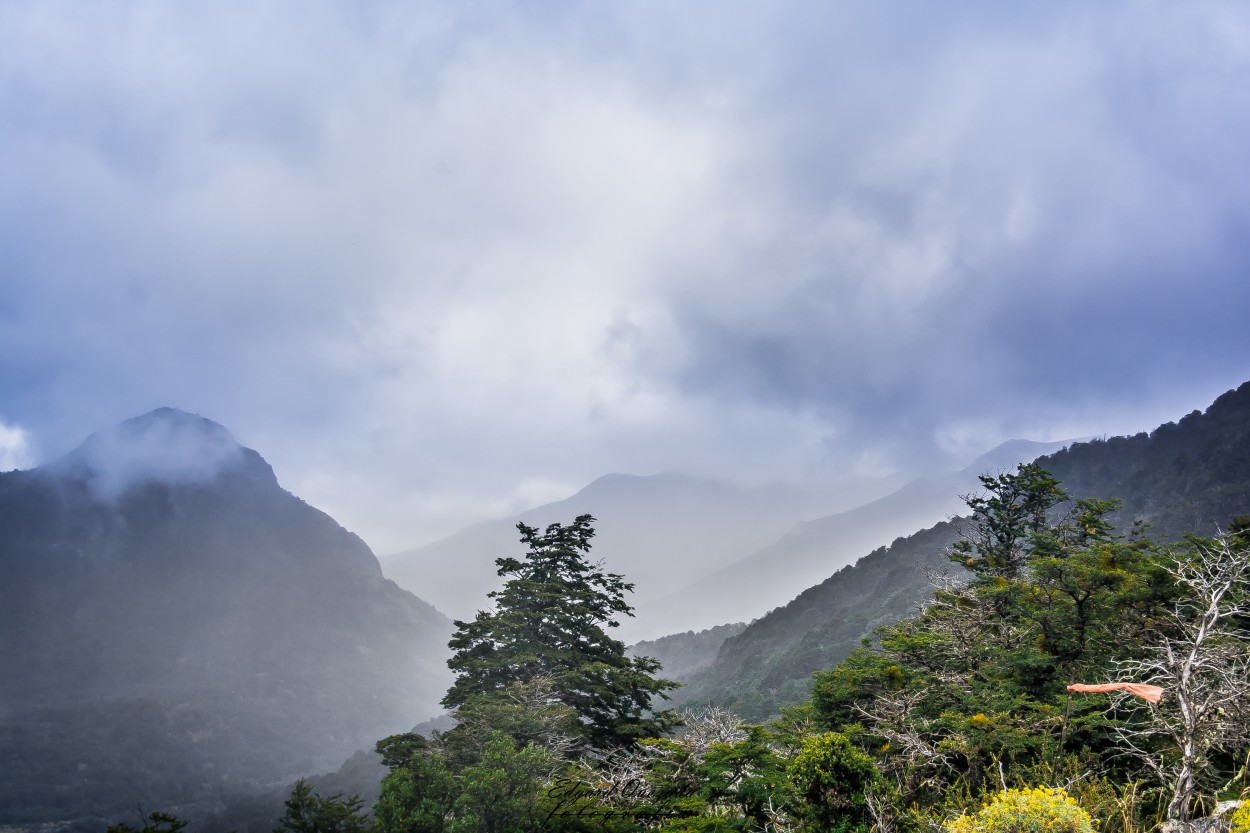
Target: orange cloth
x,y
1150,693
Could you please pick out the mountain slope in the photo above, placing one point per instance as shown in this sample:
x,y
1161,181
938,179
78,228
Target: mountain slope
x,y
684,654
811,550
1193,476
174,627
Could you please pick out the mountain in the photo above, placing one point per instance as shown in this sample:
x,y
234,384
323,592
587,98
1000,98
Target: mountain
x,y
1192,476
661,531
810,551
685,654
175,627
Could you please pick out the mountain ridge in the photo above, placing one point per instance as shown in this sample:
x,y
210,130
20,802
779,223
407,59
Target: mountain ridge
x,y
811,549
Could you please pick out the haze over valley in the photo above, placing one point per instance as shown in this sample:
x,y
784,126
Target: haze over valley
x,y
702,553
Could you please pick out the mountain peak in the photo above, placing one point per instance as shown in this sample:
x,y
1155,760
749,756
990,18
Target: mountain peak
x,y
172,419
1008,455
166,445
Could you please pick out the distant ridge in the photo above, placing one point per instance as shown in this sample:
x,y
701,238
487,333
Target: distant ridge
x,y
702,552
684,654
1190,476
661,531
811,550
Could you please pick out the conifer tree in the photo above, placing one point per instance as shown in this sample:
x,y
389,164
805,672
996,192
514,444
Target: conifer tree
x,y
549,622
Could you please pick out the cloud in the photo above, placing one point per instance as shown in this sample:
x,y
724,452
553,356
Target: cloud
x,y
166,446
1021,228
429,260
15,451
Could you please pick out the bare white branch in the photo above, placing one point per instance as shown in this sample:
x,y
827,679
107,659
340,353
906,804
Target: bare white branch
x,y
1203,664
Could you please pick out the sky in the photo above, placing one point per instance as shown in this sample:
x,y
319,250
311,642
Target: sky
x,y
440,262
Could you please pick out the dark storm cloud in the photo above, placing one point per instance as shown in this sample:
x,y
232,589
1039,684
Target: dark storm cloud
x,y
1020,221
440,262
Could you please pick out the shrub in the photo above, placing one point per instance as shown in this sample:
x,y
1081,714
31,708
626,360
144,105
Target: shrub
x,y
1034,810
832,779
1241,818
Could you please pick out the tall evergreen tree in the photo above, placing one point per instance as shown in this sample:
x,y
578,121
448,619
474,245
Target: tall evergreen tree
x,y
549,622
1005,521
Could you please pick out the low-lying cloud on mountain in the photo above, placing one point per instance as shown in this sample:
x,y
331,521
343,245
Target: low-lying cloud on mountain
x,y
167,446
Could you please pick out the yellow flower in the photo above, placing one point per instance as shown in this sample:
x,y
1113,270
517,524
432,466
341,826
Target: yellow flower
x,y
1241,818
1033,808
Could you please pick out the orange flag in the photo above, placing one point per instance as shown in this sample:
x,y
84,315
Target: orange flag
x,y
1149,693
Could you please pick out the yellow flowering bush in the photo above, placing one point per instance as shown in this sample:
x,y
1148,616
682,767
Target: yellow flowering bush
x,y
1033,810
1241,818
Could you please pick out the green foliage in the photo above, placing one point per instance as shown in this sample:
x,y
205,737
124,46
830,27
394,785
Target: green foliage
x,y
401,750
1035,810
1239,527
1005,519
531,713
749,776
972,691
308,812
833,780
737,783
718,775
419,793
503,793
549,622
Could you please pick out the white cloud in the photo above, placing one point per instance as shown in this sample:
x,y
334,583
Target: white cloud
x,y
15,450
169,446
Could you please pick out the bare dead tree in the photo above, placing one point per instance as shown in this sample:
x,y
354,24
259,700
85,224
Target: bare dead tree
x,y
919,756
1204,667
620,776
710,725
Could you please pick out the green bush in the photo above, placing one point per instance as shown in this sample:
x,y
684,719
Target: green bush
x,y
832,778
1033,810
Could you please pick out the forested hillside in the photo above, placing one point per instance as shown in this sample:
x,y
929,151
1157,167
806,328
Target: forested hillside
x,y
1192,476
